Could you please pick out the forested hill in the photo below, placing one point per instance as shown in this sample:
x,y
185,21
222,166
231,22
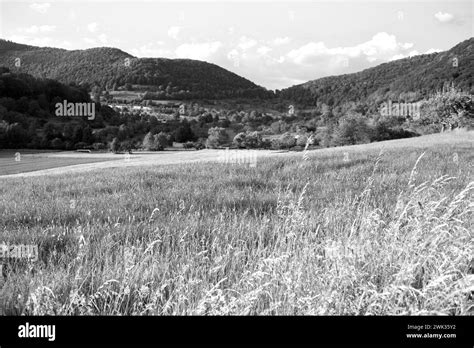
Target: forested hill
x,y
112,68
408,78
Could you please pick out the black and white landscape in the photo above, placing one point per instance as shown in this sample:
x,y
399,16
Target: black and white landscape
x,y
236,158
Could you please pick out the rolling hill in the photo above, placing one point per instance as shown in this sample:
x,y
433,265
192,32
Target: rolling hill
x,y
112,68
409,78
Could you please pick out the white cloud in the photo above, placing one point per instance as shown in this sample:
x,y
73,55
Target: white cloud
x,y
90,41
245,43
200,51
307,52
263,50
92,27
103,38
280,41
444,17
173,32
233,54
34,29
40,7
42,41
433,50
381,46
67,44
406,45
152,50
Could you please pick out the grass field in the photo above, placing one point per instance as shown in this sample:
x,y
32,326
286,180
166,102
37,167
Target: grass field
x,y
351,230
29,162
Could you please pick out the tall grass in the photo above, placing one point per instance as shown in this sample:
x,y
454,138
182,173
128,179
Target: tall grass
x,y
382,233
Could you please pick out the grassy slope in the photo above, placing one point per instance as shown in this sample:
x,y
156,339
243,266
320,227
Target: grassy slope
x,y
8,165
324,236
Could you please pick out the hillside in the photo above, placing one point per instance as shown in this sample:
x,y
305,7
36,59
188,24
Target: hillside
x,y
112,68
409,78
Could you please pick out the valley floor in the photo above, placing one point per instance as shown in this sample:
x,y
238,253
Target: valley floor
x,y
37,163
376,229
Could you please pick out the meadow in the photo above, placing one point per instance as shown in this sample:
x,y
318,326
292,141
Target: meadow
x,y
34,160
377,229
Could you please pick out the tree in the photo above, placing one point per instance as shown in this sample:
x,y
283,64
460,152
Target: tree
x,y
352,129
96,92
184,133
126,146
77,134
114,145
324,136
239,140
57,143
148,142
253,140
161,140
217,137
87,136
287,140
448,110
302,140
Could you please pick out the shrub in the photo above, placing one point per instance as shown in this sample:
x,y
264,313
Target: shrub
x,y
217,137
148,142
286,141
352,129
98,146
80,145
57,144
447,110
188,145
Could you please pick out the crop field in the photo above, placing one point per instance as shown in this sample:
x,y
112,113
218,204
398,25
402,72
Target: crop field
x,y
128,95
382,228
60,163
38,161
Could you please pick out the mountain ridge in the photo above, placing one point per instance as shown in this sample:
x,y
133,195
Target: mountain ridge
x,y
410,78
110,68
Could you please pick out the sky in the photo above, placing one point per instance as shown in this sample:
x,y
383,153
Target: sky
x,y
275,44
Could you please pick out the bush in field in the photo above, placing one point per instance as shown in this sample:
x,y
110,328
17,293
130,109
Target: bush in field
x,y
200,144
253,140
160,141
286,141
217,137
98,146
352,129
126,146
148,142
324,135
188,145
239,140
381,130
447,110
301,140
248,140
81,145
